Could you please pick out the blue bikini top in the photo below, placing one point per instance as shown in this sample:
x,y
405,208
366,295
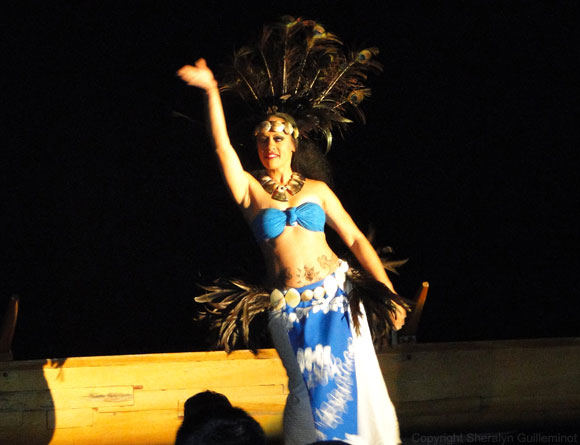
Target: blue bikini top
x,y
270,223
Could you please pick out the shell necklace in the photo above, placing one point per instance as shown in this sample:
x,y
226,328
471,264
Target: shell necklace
x,y
277,190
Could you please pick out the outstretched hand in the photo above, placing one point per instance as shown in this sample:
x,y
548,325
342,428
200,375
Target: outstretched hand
x,y
398,317
199,76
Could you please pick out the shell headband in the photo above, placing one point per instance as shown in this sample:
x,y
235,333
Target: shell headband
x,y
277,127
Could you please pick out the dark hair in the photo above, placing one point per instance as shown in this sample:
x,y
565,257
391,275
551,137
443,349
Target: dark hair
x,y
210,419
309,161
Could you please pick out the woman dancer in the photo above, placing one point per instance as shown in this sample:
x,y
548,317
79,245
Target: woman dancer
x,y
336,387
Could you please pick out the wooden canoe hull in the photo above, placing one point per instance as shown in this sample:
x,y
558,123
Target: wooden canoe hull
x,y
139,398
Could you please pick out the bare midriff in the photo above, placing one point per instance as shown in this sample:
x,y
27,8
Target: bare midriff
x,y
298,257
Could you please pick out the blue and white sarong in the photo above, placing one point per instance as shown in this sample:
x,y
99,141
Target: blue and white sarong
x,y
347,394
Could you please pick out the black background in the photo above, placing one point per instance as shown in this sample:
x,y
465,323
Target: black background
x,y
114,207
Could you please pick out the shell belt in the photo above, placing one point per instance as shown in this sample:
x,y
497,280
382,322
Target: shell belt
x,y
291,297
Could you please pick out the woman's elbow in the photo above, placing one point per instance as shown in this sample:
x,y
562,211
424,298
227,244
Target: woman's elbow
x,y
355,241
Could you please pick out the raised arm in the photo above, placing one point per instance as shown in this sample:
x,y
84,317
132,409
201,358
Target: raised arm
x,y
359,245
236,177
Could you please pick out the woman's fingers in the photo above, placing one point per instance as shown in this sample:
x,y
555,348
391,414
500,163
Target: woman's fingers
x,y
198,76
398,316
201,63
191,75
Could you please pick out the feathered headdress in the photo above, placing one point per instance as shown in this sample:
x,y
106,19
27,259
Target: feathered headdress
x,y
300,69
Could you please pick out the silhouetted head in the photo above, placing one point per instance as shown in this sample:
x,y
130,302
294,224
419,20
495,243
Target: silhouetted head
x,y
210,419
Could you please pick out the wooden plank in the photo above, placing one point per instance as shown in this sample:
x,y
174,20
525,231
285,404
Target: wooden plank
x,y
271,395
129,359
145,427
10,419
533,402
423,375
161,428
501,421
25,400
422,372
94,397
447,406
29,428
24,378
263,405
71,418
175,375
499,405
23,375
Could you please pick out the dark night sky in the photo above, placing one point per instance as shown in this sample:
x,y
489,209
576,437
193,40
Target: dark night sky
x,y
113,206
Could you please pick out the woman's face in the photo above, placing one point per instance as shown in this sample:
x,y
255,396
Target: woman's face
x,y
275,147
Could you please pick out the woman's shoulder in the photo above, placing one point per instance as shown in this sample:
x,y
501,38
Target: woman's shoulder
x,y
320,189
315,184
